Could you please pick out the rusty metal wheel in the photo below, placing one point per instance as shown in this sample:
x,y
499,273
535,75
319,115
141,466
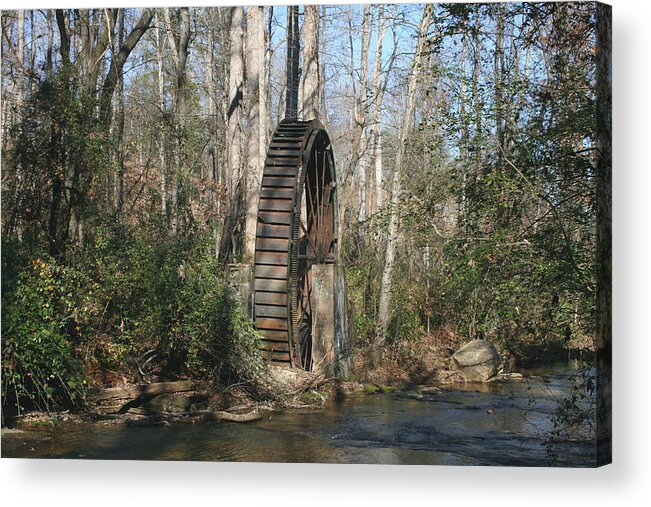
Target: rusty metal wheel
x,y
296,230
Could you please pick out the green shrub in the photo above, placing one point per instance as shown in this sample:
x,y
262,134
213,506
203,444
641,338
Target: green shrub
x,y
43,320
137,305
406,323
218,340
166,304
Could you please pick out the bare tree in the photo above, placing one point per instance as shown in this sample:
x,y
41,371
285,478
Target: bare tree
x,y
310,84
392,234
463,149
255,57
378,89
178,44
264,81
160,55
265,107
234,129
359,158
323,39
118,60
20,91
499,77
477,107
117,125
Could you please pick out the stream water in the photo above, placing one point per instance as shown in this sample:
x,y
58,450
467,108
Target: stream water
x,y
502,423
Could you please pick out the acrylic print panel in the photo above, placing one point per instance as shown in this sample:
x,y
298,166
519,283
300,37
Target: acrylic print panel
x,y
337,234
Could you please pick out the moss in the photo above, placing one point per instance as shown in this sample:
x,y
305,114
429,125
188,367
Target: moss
x,y
370,389
313,397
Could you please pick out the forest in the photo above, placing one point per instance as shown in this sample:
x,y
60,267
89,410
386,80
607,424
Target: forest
x,y
473,174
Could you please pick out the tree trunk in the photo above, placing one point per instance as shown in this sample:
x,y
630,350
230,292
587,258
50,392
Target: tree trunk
x,y
292,93
264,88
392,234
179,47
31,58
235,95
604,234
118,127
162,157
378,87
117,62
211,159
362,121
499,77
20,97
310,76
265,116
463,148
359,159
20,88
49,52
254,72
85,38
234,130
68,229
64,37
322,60
475,90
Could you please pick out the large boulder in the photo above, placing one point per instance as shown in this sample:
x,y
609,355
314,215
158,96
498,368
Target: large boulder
x,y
477,361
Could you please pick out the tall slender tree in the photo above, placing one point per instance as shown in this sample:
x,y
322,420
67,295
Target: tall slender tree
x,y
234,162
178,41
118,60
162,138
384,305
255,51
310,79
379,83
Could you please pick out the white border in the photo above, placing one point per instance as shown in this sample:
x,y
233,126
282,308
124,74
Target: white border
x,y
627,482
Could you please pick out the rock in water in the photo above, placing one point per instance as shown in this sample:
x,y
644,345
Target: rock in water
x,y
477,361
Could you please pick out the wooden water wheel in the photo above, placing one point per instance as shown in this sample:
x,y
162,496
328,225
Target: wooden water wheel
x,y
296,230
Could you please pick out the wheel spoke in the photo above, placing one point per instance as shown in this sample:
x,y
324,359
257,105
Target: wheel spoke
x,y
307,236
323,200
310,203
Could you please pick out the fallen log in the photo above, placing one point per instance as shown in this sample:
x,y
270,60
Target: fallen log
x,y
144,390
202,416
230,417
193,417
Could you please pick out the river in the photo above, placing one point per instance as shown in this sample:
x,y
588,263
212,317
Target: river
x,y
502,423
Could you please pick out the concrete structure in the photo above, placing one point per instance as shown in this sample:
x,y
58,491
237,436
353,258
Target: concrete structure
x,y
240,279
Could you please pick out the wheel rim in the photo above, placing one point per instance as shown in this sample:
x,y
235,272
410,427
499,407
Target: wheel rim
x,y
296,230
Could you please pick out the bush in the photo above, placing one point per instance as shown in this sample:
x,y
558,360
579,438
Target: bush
x,y
217,339
168,311
409,313
137,306
42,319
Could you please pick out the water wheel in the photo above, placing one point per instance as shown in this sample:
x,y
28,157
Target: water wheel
x,y
296,230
